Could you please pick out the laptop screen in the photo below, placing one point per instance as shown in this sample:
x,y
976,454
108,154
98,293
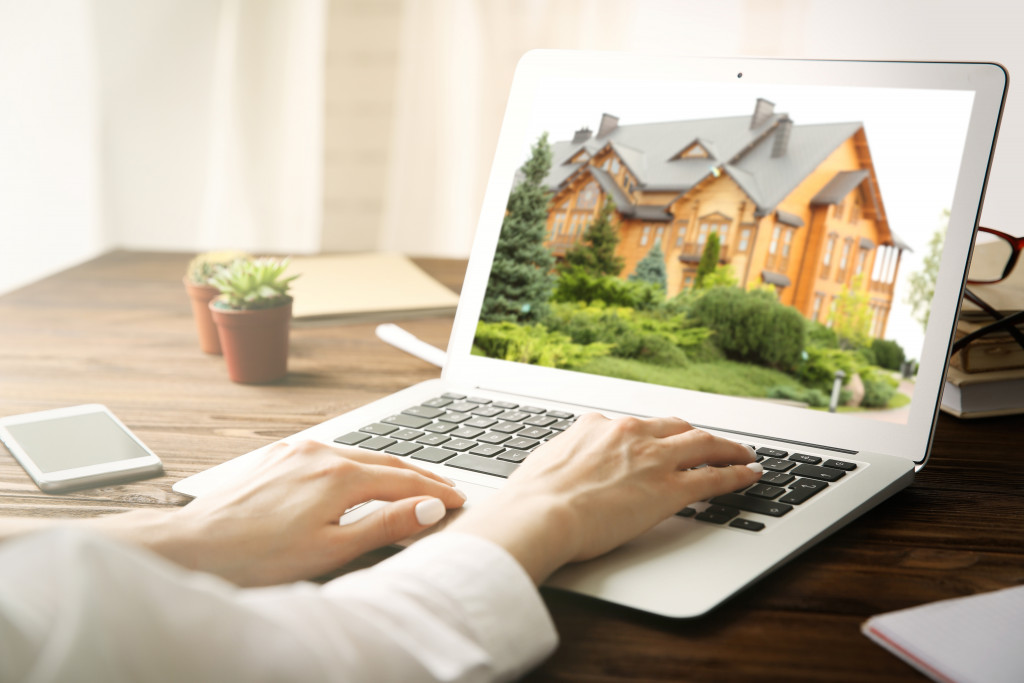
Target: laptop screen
x,y
776,242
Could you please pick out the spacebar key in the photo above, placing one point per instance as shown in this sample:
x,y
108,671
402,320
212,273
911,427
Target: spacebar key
x,y
752,504
475,463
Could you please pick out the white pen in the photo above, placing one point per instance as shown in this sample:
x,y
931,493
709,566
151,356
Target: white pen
x,y
410,343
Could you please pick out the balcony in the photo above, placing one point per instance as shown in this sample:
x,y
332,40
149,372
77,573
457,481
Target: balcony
x,y
692,251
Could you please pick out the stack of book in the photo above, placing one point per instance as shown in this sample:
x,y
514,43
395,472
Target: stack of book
x,y
986,377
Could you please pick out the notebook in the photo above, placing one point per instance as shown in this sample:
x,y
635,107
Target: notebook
x,y
818,183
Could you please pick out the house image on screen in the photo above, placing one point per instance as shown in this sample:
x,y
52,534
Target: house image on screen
x,y
794,206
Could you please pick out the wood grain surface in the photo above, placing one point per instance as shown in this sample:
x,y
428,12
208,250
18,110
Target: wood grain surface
x,y
118,330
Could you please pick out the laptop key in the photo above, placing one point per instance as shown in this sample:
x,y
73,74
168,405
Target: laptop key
x,y
433,439
513,455
440,427
561,414
717,514
452,395
475,463
431,454
439,402
479,400
377,443
561,425
406,434
378,429
822,473
535,433
424,411
493,437
840,465
748,524
460,445
777,478
505,405
804,458
765,491
752,504
507,427
532,409
403,448
540,421
485,451
410,421
480,422
487,411
802,490
454,418
522,444
777,464
514,415
352,438
687,512
771,452
465,432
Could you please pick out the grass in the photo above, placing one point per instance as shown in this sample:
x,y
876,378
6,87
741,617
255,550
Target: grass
x,y
718,377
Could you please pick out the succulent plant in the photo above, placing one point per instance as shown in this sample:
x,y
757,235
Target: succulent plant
x,y
252,284
203,267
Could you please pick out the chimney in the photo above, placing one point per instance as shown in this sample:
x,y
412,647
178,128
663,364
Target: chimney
x,y
581,136
608,124
782,131
762,112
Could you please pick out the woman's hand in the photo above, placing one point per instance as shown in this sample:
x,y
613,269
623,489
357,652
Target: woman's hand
x,y
280,523
602,483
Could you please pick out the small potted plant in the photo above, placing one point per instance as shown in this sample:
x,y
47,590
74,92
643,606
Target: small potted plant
x,y
197,283
253,313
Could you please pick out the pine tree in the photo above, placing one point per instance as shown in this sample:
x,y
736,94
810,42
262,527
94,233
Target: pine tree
x,y
708,259
520,283
595,255
652,268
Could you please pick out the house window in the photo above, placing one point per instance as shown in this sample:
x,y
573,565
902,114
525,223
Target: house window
x,y
844,260
744,241
658,234
615,166
840,207
826,264
819,299
694,151
645,236
855,210
862,256
681,233
587,198
559,223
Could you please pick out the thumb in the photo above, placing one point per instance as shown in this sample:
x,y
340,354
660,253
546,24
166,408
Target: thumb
x,y
395,521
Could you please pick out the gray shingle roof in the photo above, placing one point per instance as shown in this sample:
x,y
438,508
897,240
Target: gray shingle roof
x,y
840,186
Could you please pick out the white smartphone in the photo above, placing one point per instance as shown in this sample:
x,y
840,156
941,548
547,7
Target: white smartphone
x,y
76,447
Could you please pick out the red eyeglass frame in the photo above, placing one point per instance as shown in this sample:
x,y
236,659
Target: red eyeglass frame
x,y
1016,242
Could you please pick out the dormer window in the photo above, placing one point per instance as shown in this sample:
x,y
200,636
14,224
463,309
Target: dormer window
x,y
580,157
694,151
587,198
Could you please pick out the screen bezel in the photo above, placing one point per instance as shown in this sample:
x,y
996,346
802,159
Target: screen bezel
x,y
911,440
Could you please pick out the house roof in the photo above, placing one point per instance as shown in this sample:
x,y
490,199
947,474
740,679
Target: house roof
x,y
842,184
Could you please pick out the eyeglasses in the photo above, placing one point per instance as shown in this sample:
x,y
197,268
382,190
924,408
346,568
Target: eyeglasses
x,y
995,255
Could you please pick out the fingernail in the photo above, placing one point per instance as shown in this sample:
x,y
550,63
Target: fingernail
x,y
460,492
756,467
752,451
429,511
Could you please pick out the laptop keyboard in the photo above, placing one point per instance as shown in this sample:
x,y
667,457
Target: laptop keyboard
x,y
494,437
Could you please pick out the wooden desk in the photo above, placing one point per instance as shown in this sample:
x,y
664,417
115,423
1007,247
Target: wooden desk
x,y
118,330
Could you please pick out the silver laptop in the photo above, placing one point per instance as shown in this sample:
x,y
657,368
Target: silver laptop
x,y
811,191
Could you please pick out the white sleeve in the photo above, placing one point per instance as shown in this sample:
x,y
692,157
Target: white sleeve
x,y
452,607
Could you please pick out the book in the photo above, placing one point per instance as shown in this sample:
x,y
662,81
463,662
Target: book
x,y
997,350
365,286
973,639
983,394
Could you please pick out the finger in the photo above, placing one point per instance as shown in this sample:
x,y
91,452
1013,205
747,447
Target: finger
x,y
371,458
697,447
391,523
384,482
707,482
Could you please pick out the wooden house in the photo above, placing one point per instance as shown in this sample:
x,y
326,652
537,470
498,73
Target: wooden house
x,y
794,206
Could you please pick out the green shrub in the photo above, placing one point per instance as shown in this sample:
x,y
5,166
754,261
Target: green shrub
x,y
752,326
818,368
888,354
575,284
879,387
534,344
821,336
651,337
812,397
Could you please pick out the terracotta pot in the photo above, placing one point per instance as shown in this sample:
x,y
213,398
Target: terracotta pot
x,y
201,296
255,343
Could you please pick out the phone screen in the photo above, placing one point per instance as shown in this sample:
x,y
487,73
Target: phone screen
x,y
64,443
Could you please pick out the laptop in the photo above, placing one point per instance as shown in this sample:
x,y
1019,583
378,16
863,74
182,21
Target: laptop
x,y
821,185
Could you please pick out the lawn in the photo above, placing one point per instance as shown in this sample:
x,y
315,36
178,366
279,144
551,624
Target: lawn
x,y
719,377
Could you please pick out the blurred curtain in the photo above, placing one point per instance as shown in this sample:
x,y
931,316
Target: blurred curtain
x,y
211,122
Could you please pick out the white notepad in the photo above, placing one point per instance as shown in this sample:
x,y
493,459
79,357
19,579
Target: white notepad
x,y
976,639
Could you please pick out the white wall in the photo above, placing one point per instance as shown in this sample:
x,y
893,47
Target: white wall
x,y
50,214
